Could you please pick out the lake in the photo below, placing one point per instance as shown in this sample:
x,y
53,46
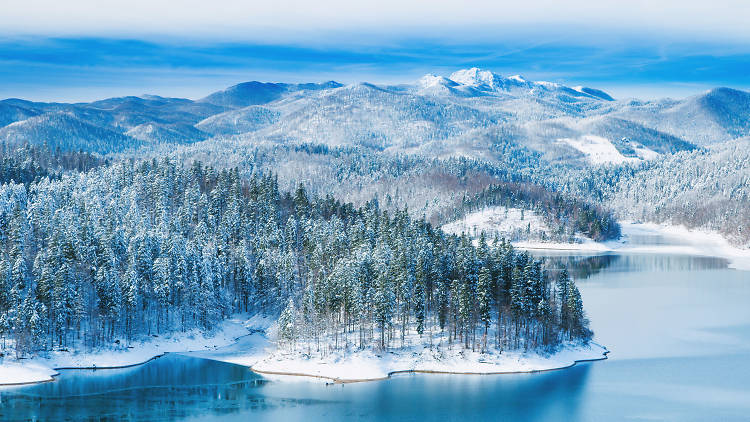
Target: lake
x,y
678,328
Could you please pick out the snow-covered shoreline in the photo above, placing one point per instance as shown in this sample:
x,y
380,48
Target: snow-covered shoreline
x,y
369,365
674,240
246,342
44,368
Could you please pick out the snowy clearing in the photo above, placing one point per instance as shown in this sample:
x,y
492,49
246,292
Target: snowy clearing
x,y
510,223
598,150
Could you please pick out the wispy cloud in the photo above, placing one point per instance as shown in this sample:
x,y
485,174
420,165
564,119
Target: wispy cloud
x,y
83,68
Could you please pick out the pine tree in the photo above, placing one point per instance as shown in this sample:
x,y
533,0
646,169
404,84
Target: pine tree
x,y
288,324
484,301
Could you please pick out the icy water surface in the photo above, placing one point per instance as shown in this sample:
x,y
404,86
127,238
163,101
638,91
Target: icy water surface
x,y
678,328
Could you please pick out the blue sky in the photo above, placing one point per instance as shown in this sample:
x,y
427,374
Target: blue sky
x,y
677,49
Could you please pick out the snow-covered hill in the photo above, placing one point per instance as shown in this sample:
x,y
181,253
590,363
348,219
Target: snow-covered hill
x,y
464,114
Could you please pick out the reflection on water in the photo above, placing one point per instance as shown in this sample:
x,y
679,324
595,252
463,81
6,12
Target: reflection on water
x,y
584,265
177,387
678,328
171,387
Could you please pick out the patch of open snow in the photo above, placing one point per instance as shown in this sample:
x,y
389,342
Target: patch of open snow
x,y
369,364
510,223
20,372
598,150
645,153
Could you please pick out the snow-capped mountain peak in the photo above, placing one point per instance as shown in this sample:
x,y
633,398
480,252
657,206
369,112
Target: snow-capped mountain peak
x,y
475,77
485,80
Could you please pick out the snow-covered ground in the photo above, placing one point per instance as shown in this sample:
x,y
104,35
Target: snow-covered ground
x,y
600,150
259,351
41,368
250,342
510,223
369,364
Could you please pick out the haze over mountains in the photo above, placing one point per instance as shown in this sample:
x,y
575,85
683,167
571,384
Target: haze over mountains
x,y
464,114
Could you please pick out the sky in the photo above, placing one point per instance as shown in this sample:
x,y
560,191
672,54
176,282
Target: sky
x,y
81,50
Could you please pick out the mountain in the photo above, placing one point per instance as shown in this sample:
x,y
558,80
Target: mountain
x,y
718,115
243,120
254,93
10,113
468,113
64,131
161,133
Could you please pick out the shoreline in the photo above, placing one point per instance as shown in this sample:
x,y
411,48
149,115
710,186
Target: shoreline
x,y
605,356
42,369
682,241
82,368
230,354
370,365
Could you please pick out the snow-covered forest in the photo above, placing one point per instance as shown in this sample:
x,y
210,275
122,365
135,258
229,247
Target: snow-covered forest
x,y
321,203
148,247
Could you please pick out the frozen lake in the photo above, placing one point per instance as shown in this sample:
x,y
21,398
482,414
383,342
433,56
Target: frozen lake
x,y
678,328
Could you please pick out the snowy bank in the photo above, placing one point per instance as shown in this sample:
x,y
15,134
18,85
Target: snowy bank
x,y
245,341
24,372
43,368
665,238
370,365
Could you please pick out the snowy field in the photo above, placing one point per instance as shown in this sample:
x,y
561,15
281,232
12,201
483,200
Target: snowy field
x,y
510,223
599,150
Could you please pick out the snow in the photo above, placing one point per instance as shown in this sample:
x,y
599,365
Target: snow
x,y
652,238
675,239
24,372
645,153
355,365
583,245
251,342
247,349
510,223
473,77
41,368
636,237
598,150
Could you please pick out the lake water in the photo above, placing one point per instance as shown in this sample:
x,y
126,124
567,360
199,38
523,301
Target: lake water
x,y
678,328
